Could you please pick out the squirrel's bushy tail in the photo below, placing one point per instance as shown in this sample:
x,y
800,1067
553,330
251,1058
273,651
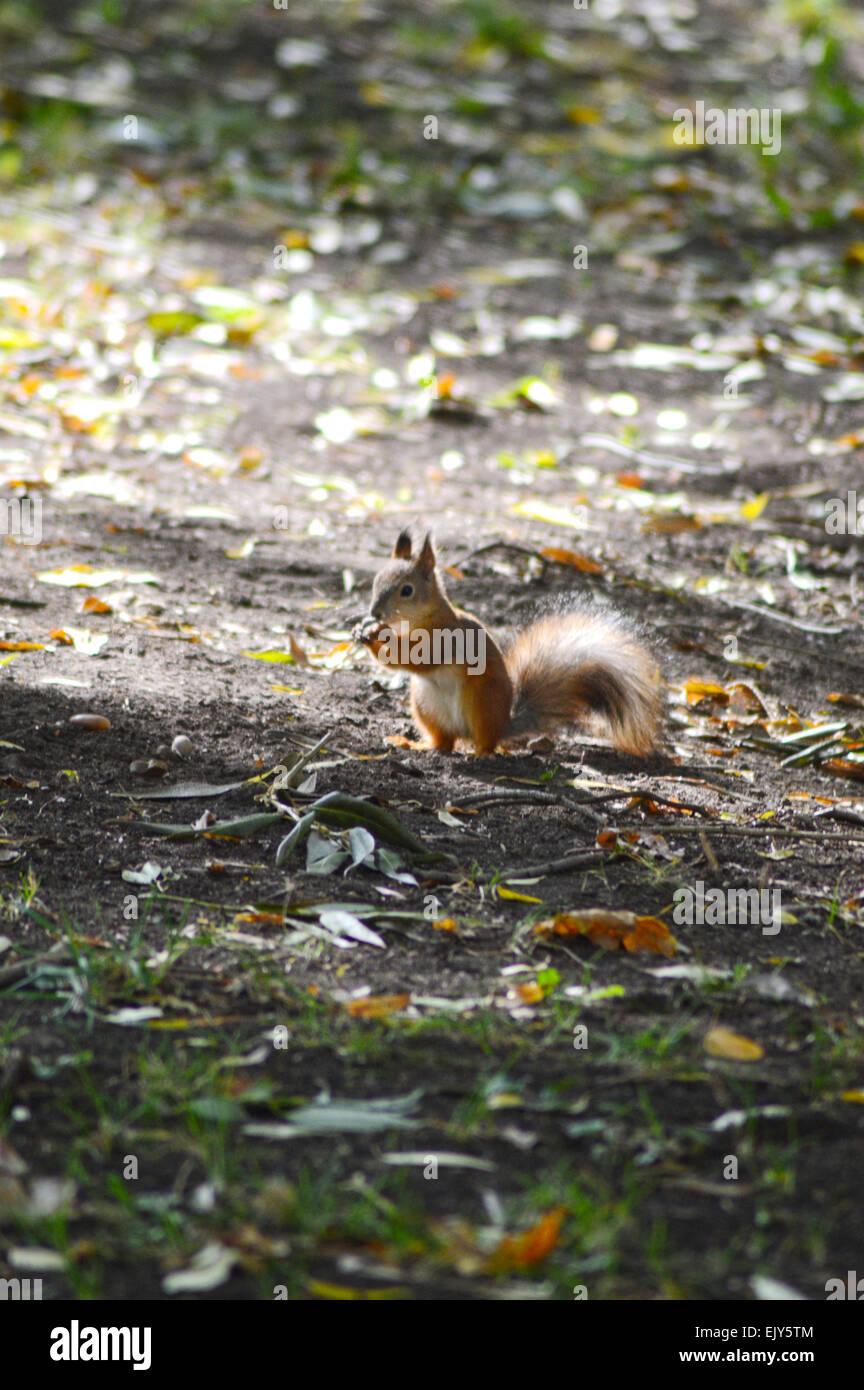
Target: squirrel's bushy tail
x,y
567,667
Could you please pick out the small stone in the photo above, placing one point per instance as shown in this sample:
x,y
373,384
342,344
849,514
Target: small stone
x,y
163,752
139,767
156,768
541,745
182,747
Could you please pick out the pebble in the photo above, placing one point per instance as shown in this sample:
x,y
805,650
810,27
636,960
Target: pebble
x,y
182,747
148,767
90,721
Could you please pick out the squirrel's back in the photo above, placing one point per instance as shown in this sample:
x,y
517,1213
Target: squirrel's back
x,y
565,667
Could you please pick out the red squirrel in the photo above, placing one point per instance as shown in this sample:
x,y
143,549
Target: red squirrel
x,y
562,669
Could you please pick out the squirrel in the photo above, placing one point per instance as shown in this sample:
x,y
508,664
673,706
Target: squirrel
x,y
561,669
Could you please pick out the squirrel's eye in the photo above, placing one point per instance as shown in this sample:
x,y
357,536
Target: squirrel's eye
x,y
406,591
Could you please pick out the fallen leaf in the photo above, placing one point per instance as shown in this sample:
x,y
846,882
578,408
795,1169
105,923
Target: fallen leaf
x,y
570,557
517,897
722,1042
531,1247
612,930
696,690
377,1005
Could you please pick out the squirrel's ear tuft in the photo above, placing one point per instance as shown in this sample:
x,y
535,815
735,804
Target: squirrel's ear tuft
x,y
402,548
426,558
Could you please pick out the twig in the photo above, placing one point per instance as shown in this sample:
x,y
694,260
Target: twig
x,y
643,458
784,618
840,813
723,827
582,860
514,794
14,1072
712,786
650,795
526,794
10,973
506,545
708,852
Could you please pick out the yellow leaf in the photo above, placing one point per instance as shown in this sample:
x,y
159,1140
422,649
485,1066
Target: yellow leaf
x,y
344,1293
722,1042
517,897
538,510
241,552
698,690
756,506
583,115
857,1096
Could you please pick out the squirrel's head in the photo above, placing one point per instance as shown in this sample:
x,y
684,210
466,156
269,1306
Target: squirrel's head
x,y
408,587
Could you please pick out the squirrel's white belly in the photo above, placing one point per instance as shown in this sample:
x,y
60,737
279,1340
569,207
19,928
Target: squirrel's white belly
x,y
441,694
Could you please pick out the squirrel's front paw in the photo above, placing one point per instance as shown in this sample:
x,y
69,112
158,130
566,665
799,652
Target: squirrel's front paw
x,y
366,631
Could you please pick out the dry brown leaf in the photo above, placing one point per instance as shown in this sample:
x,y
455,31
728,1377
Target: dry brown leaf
x,y
661,524
400,741
744,699
297,651
570,557
446,924
532,1246
611,930
377,1005
267,919
530,993
841,767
